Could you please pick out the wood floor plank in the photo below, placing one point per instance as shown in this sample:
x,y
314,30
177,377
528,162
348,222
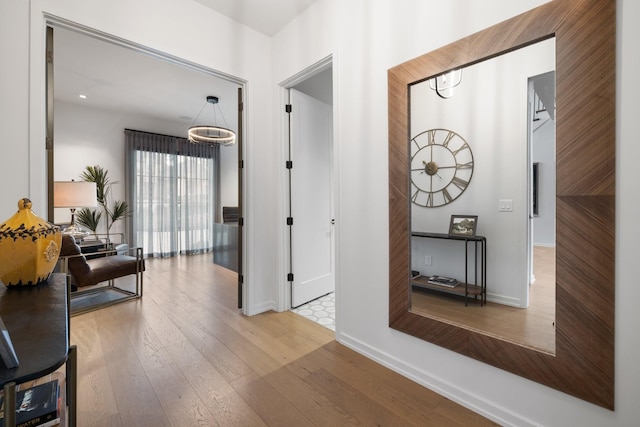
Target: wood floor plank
x,y
380,384
271,406
357,405
180,402
400,396
230,366
97,404
221,399
242,347
316,405
300,326
136,399
184,355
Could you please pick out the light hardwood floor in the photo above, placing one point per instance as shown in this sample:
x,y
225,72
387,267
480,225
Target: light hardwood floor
x,y
183,355
533,327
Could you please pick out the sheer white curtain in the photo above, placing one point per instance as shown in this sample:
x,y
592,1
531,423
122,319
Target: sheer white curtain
x,y
173,190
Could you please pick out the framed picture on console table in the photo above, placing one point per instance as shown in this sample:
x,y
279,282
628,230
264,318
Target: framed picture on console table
x,y
463,225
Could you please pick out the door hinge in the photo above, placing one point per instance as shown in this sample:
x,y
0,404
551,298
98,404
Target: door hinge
x,y
240,279
48,143
290,277
289,164
241,164
289,220
287,108
241,222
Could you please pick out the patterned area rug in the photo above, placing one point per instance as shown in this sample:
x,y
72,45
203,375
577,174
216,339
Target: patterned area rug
x,y
321,310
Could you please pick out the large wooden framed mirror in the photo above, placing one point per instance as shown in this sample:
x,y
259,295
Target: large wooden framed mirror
x,y
583,362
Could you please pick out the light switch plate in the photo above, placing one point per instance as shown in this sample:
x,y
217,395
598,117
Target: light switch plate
x,y
505,205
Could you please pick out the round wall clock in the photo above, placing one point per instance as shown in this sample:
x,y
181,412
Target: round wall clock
x,y
441,167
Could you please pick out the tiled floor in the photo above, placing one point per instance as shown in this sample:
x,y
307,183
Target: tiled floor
x,y
322,311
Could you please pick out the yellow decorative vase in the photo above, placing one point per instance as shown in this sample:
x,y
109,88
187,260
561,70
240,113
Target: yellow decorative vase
x,y
29,247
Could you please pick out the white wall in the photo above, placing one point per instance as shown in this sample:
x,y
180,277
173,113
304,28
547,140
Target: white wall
x,y
367,38
87,137
14,107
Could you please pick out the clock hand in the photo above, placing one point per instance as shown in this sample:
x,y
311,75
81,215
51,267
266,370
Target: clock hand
x,y
431,168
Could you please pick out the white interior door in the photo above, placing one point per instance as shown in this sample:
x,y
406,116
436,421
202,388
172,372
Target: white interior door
x,y
312,263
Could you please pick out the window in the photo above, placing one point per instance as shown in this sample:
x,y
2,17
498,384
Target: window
x,y
175,203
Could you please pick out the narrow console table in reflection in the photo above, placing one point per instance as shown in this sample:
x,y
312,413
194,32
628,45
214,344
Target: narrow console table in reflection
x,y
479,285
37,319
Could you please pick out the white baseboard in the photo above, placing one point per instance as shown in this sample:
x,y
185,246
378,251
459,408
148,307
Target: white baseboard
x,y
501,299
545,245
260,308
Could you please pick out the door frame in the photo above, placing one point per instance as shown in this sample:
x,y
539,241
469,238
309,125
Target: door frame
x,y
530,113
50,23
284,289
531,241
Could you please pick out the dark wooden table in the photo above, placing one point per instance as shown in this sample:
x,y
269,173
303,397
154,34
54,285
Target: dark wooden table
x,y
37,319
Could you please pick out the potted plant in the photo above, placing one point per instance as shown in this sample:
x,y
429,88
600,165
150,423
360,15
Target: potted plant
x,y
112,211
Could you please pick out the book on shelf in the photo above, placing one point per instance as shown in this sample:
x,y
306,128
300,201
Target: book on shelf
x,y
54,422
443,281
35,406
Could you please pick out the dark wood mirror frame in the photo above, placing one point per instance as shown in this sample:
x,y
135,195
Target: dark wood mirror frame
x,y
584,32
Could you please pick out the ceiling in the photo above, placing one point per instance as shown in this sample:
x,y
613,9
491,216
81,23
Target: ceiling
x,y
129,81
117,78
265,16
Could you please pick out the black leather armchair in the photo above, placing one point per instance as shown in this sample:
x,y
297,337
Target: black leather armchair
x,y
105,268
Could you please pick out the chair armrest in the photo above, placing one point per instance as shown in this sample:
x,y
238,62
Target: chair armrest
x,y
63,262
132,251
135,252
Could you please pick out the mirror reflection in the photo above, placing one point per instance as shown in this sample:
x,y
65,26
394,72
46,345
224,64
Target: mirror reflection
x,y
481,213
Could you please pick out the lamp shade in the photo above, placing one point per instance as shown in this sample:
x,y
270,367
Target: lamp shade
x,y
74,194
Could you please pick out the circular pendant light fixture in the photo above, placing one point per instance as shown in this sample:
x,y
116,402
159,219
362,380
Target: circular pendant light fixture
x,y
211,134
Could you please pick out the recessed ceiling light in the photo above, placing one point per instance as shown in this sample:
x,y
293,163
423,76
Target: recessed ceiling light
x,y
82,96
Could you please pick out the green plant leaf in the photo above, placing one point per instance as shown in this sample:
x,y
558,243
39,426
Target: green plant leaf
x,y
99,175
89,218
118,211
